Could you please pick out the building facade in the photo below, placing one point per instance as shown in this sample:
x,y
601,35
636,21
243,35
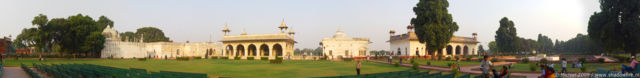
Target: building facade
x,y
259,45
408,45
341,46
115,48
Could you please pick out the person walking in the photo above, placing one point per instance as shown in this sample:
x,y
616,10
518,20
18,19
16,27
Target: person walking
x,y
564,65
485,66
358,65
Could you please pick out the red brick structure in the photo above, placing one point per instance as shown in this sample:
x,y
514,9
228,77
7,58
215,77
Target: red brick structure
x,y
4,43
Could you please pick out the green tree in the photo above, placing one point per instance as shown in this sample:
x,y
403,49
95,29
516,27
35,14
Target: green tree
x,y
151,34
545,44
104,22
506,37
493,48
433,23
617,26
26,38
481,49
127,35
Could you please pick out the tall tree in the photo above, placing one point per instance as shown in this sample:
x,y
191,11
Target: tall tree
x,y
433,23
617,26
26,38
493,48
506,37
545,44
104,22
481,49
151,34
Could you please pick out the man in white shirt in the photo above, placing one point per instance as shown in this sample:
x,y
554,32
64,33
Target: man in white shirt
x,y
564,66
484,66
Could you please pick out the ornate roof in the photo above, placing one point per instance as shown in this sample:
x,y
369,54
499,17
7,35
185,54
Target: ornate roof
x,y
258,37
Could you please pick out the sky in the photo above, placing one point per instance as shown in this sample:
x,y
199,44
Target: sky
x,y
312,20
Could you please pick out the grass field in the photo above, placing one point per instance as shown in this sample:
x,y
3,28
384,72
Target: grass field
x,y
441,63
233,68
590,67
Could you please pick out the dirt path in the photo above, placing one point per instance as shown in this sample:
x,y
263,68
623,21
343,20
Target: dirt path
x,y
14,72
467,69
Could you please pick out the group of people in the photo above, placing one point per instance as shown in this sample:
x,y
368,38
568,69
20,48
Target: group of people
x,y
486,65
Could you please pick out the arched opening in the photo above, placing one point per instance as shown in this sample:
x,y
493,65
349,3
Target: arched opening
x,y
449,50
240,50
398,52
330,52
417,51
264,50
229,50
346,53
277,49
252,50
465,50
458,50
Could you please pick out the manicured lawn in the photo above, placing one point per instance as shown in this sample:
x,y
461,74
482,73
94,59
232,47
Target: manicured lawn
x,y
233,68
590,67
441,63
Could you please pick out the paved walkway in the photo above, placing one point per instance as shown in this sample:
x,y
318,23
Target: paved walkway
x,y
14,72
467,69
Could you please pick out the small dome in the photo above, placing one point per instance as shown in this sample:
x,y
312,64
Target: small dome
x,y
226,28
339,34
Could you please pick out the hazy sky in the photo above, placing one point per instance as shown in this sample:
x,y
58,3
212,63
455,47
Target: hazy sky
x,y
198,20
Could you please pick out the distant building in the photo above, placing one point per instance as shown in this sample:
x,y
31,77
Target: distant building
x,y
259,45
408,45
341,46
115,48
5,42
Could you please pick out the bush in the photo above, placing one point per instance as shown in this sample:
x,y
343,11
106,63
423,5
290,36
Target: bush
x,y
622,59
397,64
448,58
544,61
142,59
347,59
214,57
494,60
428,62
533,66
415,66
601,60
412,60
583,69
525,60
264,58
449,64
278,60
198,57
223,57
468,59
236,58
582,59
250,58
182,58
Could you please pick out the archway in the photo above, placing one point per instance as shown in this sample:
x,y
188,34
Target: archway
x,y
417,51
277,49
398,52
465,50
252,50
458,50
449,50
264,50
240,50
229,50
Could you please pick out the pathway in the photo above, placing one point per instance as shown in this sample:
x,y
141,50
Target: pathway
x,y
14,72
466,69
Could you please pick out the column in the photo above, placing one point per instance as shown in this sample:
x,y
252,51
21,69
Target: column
x,y
453,53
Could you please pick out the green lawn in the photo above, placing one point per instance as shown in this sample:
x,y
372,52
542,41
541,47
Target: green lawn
x,y
590,67
233,68
441,63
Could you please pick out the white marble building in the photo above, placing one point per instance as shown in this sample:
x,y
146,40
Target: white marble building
x,y
408,45
341,46
115,48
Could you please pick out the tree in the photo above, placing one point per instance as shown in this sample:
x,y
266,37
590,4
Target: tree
x,y
433,23
481,49
506,37
617,26
104,22
78,34
493,48
127,35
317,51
151,34
545,43
26,38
